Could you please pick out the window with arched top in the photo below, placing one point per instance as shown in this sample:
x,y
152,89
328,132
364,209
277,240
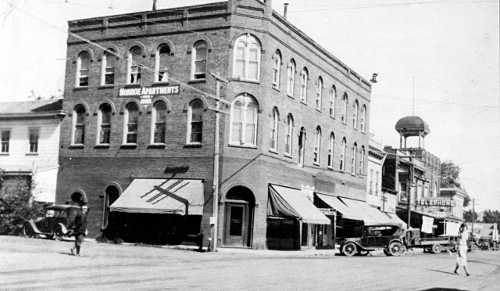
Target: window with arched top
x,y
104,123
276,69
246,58
159,122
331,150
302,146
343,151
195,122
304,77
290,81
274,130
244,111
130,124
108,66
345,102
355,111
333,99
79,119
362,119
319,93
199,60
317,146
162,56
289,135
82,69
134,67
362,158
354,153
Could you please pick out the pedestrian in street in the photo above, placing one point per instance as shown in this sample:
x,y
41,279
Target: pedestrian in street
x,y
78,222
461,248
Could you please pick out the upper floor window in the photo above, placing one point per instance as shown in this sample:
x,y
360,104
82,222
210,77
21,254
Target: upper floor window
x,y
131,122
195,122
353,158
319,93
333,99
5,135
343,151
355,111
199,60
161,63
362,119
302,146
108,67
82,69
345,102
134,65
244,121
104,124
371,182
304,77
276,69
274,131
247,58
79,118
331,150
290,81
317,146
362,161
159,122
289,135
377,177
34,136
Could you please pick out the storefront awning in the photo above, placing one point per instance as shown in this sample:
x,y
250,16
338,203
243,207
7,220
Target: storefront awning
x,y
291,202
161,196
395,219
371,215
346,211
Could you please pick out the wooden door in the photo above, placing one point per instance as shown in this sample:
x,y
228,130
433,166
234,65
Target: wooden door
x,y
236,224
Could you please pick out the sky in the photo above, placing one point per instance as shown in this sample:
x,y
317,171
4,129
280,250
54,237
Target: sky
x,y
442,54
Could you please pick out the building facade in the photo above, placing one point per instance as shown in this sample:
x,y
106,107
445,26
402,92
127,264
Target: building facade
x,y
140,103
29,150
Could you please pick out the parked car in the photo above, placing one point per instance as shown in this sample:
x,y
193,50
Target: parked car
x,y
386,237
54,225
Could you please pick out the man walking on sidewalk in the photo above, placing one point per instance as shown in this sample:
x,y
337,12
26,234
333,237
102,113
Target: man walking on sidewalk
x,y
79,225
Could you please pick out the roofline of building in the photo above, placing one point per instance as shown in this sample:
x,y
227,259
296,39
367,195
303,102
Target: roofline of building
x,y
33,115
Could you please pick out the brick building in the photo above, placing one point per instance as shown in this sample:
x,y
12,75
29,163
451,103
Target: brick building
x,y
139,103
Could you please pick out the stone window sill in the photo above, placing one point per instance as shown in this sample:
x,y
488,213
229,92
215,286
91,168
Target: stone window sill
x,y
242,146
157,146
32,154
76,146
101,146
128,146
192,145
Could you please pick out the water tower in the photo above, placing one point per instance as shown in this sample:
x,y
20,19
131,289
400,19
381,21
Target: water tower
x,y
411,126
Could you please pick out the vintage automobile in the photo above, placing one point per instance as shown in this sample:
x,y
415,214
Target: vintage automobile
x,y
53,226
388,237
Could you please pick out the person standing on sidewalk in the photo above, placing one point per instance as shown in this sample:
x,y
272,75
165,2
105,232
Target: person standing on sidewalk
x,y
79,225
461,248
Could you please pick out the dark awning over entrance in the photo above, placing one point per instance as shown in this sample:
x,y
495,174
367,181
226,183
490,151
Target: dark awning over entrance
x,y
161,196
291,202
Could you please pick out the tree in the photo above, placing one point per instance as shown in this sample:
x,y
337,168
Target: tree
x,y
450,175
468,216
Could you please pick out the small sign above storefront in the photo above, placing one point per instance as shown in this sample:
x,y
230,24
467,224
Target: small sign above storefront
x,y
328,211
435,202
151,91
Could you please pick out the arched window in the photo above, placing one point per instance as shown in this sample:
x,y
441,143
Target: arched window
x,y
161,63
134,65
362,120
199,60
331,150
131,120
110,195
355,111
289,135
317,146
82,69
354,153
159,122
274,130
79,119
108,65
195,122
246,58
362,161
333,99
345,102
302,146
319,93
276,69
304,77
104,123
244,120
343,151
290,81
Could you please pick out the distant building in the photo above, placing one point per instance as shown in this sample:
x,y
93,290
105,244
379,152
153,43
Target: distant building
x,y
29,146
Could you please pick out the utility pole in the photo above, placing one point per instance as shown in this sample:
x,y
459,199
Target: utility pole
x,y
215,187
408,187
473,216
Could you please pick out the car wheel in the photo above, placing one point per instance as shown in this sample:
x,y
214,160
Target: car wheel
x,y
395,248
349,249
436,249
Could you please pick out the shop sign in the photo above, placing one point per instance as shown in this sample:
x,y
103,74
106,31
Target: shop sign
x,y
149,91
327,211
435,202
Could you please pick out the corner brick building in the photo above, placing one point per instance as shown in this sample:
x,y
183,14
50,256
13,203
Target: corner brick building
x,y
295,120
